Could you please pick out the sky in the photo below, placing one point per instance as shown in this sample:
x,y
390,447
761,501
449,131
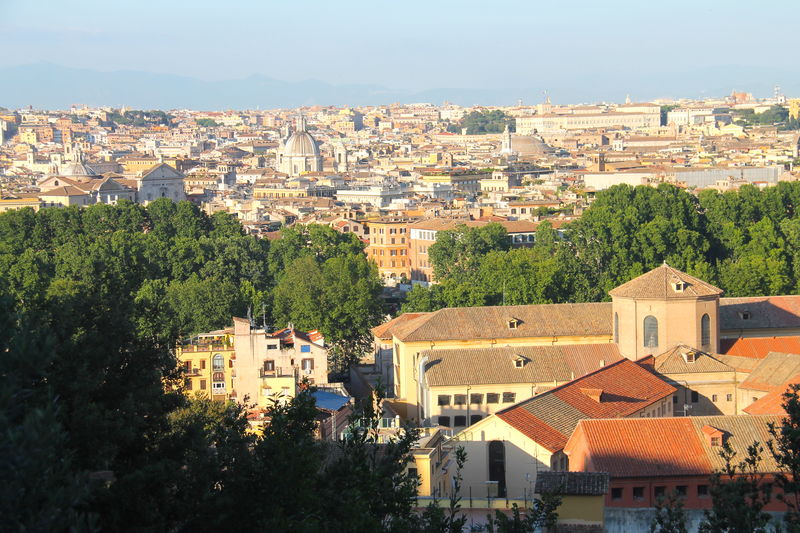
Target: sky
x,y
405,44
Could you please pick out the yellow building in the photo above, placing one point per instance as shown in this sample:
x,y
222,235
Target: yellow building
x,y
7,204
389,246
794,108
208,361
431,462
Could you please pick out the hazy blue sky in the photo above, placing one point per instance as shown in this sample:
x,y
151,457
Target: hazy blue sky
x,y
403,43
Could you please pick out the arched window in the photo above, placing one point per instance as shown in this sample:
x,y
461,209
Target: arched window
x,y
497,465
705,330
616,328
218,362
650,331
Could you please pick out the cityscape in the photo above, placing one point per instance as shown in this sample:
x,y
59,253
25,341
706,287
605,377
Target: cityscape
x,y
355,301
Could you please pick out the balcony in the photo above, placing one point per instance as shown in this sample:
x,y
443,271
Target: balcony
x,y
192,372
205,348
278,372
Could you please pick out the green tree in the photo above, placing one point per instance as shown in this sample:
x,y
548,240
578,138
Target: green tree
x,y
339,297
738,495
543,513
670,517
785,449
458,251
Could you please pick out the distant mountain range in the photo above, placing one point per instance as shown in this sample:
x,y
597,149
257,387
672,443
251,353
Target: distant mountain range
x,y
49,86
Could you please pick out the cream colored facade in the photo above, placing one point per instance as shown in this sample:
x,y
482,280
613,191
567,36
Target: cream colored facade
x,y
524,457
406,357
679,321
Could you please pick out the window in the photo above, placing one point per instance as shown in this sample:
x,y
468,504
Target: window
x,y
702,491
519,363
269,365
202,364
413,472
675,400
695,397
681,489
616,493
460,399
473,419
729,397
306,348
444,421
714,398
459,420
218,362
307,365
705,330
272,346
202,384
508,397
716,441
638,494
187,365
188,384
444,399
650,331
659,491
492,397
616,328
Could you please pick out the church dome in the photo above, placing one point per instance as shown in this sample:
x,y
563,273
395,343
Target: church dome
x,y
76,170
301,143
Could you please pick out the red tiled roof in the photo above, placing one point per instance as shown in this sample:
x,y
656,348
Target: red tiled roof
x,y
653,447
384,331
625,388
534,429
643,447
759,347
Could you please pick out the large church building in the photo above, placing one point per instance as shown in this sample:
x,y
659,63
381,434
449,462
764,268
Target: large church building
x,y
462,364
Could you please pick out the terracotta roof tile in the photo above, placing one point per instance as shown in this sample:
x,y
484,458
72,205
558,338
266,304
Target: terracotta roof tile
x,y
535,429
542,364
760,312
772,403
386,330
626,388
657,284
673,361
772,371
653,447
546,320
759,347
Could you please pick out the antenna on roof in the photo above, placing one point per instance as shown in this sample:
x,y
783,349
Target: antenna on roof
x,y
264,316
250,316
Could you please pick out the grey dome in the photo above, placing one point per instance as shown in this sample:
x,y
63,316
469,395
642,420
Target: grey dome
x,y
301,143
76,170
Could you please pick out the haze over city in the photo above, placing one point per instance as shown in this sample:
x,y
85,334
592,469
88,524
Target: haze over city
x,y
399,267
489,53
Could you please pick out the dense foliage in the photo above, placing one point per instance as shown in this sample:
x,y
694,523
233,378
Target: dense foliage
x,y
478,122
170,270
747,242
775,115
140,118
94,430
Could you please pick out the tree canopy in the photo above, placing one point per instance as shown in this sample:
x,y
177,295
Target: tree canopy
x,y
747,242
478,122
